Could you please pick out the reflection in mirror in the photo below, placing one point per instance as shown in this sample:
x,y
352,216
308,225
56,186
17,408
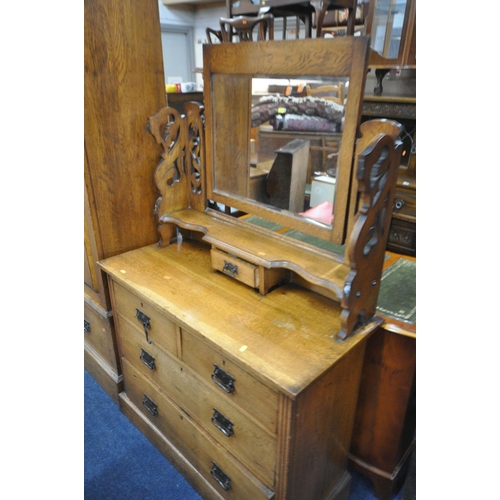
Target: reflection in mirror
x,y
295,138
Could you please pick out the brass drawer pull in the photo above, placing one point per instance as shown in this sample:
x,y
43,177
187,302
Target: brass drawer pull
x,y
144,319
86,326
147,359
223,380
222,423
150,405
221,477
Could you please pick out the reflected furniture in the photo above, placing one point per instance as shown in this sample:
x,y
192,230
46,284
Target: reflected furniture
x,y
117,150
241,347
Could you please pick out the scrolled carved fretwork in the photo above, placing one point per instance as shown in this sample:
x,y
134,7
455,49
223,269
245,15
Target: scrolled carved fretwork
x,y
195,127
179,174
377,173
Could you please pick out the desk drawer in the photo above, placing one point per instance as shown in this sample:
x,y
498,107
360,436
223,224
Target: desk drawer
x,y
218,466
231,381
405,203
154,326
206,405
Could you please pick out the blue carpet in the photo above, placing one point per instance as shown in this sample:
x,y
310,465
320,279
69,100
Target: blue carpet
x,y
121,464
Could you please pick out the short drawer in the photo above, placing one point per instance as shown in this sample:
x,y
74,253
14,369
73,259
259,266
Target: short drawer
x,y
235,268
207,406
155,326
405,203
220,468
99,333
231,381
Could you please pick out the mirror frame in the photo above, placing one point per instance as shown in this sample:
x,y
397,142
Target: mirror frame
x,y
235,64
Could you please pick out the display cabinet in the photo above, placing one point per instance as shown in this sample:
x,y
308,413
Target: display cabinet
x,y
392,26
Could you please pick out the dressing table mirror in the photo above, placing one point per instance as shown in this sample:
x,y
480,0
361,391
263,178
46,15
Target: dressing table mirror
x,y
229,81
211,172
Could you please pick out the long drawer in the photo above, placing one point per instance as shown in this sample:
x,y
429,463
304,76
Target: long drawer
x,y
219,467
204,402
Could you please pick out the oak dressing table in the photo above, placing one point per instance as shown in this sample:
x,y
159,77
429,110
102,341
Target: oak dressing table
x,y
242,348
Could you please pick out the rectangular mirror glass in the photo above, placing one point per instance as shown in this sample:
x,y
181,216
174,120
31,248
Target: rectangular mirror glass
x,y
282,143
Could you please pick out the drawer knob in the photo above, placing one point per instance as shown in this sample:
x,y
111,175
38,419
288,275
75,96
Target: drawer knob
x,y
144,319
399,203
223,379
221,477
222,423
147,359
150,405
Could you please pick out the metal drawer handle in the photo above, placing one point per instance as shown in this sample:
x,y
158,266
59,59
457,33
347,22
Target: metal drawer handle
x,y
144,319
399,203
147,359
223,380
222,423
86,326
150,405
230,268
221,477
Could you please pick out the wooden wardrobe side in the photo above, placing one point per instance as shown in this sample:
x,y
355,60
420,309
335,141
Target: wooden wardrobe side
x,y
124,85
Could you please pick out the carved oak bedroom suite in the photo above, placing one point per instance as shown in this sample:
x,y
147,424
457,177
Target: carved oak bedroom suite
x,y
232,315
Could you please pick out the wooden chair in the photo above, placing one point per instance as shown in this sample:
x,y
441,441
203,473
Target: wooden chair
x,y
302,12
243,28
333,93
217,34
343,21
321,7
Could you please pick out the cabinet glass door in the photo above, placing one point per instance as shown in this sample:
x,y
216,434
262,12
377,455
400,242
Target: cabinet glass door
x,y
387,27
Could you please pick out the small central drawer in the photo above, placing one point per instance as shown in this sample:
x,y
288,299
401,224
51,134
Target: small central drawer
x,y
218,415
219,468
236,268
231,381
153,325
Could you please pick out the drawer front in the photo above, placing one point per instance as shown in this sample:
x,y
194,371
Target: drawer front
x,y
236,268
231,381
205,404
405,203
154,326
99,334
219,467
